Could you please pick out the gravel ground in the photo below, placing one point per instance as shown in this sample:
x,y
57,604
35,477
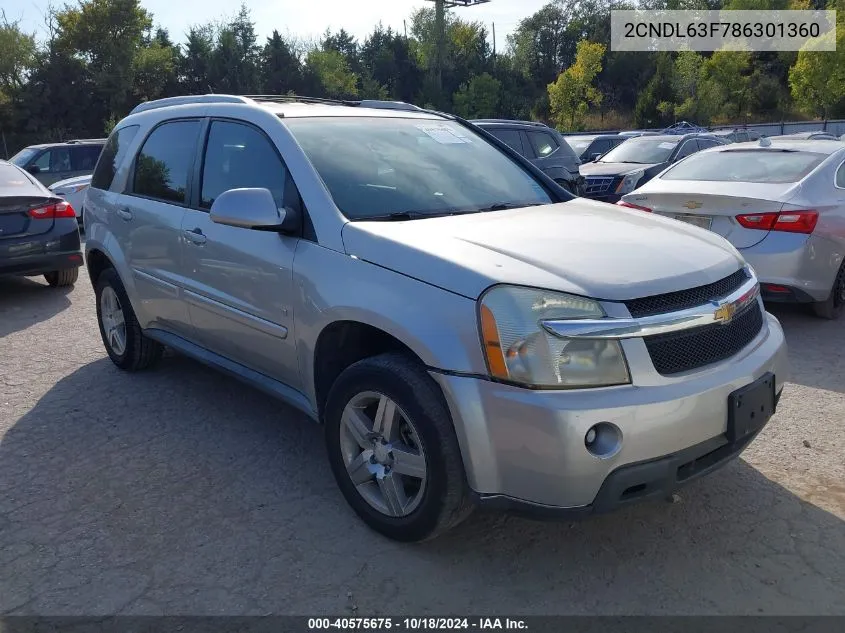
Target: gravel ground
x,y
179,491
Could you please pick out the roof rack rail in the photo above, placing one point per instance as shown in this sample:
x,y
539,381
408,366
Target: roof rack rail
x,y
364,103
188,99
534,123
87,140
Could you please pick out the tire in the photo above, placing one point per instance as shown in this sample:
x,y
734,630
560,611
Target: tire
x,y
61,278
834,306
442,499
137,352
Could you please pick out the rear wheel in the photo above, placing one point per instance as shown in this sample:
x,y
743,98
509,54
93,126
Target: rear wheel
x,y
125,342
393,450
834,306
59,278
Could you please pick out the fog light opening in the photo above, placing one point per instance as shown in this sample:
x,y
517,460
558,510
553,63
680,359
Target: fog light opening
x,y
603,440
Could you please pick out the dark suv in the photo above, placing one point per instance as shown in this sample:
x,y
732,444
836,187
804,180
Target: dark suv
x,y
52,162
638,160
542,145
589,147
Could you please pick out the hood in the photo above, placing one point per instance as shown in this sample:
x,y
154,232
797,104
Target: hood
x,y
71,182
613,169
581,246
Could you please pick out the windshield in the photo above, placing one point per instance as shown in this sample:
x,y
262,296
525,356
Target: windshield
x,y
23,157
377,167
579,143
641,150
761,166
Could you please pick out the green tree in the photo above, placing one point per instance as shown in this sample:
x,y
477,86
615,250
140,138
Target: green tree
x,y
572,94
281,70
817,80
17,56
107,34
658,90
332,73
196,61
728,74
480,98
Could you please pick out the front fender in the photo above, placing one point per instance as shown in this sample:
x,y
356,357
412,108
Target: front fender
x,y
440,327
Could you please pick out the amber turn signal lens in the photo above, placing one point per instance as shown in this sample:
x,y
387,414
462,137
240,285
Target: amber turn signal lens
x,y
492,346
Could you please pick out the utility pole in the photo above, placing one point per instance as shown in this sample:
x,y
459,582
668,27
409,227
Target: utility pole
x,y
494,43
440,7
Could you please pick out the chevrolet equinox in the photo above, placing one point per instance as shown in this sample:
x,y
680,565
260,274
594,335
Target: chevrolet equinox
x,y
467,332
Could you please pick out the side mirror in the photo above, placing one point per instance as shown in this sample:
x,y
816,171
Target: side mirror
x,y
253,209
594,157
34,169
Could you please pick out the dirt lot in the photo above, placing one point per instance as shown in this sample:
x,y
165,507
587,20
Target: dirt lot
x,y
179,491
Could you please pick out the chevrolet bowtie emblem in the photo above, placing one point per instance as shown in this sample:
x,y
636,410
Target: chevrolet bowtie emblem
x,y
724,314
692,204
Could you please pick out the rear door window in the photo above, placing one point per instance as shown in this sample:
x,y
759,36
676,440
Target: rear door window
x,y
840,176
689,147
511,138
84,157
544,143
112,156
165,161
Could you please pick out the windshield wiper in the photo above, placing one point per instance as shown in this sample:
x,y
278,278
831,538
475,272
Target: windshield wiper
x,y
504,206
399,216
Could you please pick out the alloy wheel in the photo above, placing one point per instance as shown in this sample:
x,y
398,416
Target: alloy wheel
x,y
113,322
383,454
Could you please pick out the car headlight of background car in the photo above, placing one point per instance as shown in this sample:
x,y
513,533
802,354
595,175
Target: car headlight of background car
x,y
519,350
629,182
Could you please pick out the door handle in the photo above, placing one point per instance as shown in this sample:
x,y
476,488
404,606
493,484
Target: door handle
x,y
195,236
125,214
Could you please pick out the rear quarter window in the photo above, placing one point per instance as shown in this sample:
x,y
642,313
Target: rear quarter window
x,y
112,156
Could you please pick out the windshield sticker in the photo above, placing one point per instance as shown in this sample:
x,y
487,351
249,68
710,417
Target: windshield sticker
x,y
667,145
443,135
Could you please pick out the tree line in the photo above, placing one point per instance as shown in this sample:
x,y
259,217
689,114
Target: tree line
x,y
100,58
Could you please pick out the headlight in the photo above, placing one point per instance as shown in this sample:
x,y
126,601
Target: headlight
x,y
518,349
629,182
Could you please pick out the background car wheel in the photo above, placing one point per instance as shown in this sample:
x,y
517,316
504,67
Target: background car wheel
x,y
834,306
59,278
125,342
393,450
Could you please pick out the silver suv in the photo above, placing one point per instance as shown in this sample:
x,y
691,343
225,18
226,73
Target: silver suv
x,y
466,332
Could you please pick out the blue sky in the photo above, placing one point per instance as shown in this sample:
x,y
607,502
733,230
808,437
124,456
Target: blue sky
x,y
303,18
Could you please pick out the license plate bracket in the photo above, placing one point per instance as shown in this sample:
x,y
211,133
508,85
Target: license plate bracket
x,y
751,407
701,221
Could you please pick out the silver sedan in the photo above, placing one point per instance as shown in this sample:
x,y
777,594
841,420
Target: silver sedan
x,y
781,203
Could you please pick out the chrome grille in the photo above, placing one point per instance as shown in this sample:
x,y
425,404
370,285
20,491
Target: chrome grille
x,y
684,299
690,349
597,185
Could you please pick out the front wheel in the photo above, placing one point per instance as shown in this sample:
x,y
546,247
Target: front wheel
x,y
834,306
393,449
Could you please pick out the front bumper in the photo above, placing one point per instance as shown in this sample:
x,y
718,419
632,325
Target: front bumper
x,y
526,448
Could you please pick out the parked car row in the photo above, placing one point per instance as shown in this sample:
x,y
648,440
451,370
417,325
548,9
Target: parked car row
x,y
780,202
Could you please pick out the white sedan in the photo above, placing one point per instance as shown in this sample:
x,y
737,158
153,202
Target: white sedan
x,y
73,190
781,203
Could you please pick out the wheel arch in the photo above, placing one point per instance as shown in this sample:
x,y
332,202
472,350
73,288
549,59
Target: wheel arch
x,y
344,342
